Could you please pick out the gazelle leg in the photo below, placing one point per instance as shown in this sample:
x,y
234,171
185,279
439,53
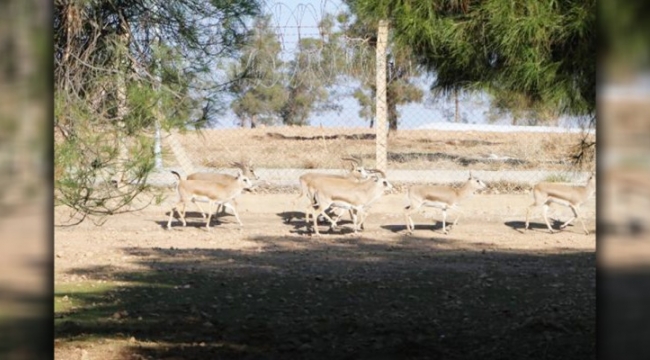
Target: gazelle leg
x,y
182,213
407,219
410,226
444,220
203,213
234,211
528,209
333,224
171,215
355,218
315,220
363,220
545,213
460,213
207,222
576,215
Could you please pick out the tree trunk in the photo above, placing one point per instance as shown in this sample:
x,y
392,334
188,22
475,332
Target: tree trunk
x,y
253,121
122,111
392,111
457,113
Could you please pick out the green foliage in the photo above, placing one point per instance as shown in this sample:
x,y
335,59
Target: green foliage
x,y
542,51
121,68
307,85
256,82
623,36
399,87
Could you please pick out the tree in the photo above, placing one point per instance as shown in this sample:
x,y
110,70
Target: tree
x,y
315,69
256,80
115,77
306,87
543,51
399,87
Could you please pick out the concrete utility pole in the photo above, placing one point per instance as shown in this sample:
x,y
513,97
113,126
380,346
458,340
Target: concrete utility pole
x,y
157,147
382,108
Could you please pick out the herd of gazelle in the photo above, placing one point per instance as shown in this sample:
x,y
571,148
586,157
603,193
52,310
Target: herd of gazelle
x,y
358,189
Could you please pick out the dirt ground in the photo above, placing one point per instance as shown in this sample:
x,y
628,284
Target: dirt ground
x,y
314,148
486,290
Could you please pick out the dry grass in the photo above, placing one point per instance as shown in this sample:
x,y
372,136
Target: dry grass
x,y
309,147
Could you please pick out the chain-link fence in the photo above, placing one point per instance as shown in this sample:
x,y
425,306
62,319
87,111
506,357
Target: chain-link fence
x,y
314,101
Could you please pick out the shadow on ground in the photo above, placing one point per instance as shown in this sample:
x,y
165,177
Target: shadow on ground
x,y
195,219
342,298
537,226
417,227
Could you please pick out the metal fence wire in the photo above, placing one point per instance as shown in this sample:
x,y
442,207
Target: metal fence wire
x,y
427,138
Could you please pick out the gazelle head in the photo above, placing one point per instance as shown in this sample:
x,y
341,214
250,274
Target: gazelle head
x,y
592,178
357,170
476,183
245,180
246,169
385,183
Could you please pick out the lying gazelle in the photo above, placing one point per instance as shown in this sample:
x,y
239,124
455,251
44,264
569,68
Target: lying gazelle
x,y
310,181
443,197
348,194
572,196
246,169
217,193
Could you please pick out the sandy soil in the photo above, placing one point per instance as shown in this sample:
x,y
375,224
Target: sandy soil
x,y
494,220
267,246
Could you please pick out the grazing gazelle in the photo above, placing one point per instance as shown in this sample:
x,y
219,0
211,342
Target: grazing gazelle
x,y
439,196
572,196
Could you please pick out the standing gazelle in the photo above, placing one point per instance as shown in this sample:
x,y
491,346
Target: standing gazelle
x,y
350,195
572,196
217,193
441,197
246,168
309,182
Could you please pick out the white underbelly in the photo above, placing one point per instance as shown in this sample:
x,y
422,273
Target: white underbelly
x,y
436,204
343,205
558,201
205,199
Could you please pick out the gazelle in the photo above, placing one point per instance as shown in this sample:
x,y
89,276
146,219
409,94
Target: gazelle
x,y
572,196
221,194
246,169
350,195
439,196
310,181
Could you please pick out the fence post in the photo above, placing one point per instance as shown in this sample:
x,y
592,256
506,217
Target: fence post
x,y
180,154
382,109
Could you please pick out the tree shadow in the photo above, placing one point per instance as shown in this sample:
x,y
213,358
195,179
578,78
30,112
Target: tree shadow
x,y
26,317
355,298
28,337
